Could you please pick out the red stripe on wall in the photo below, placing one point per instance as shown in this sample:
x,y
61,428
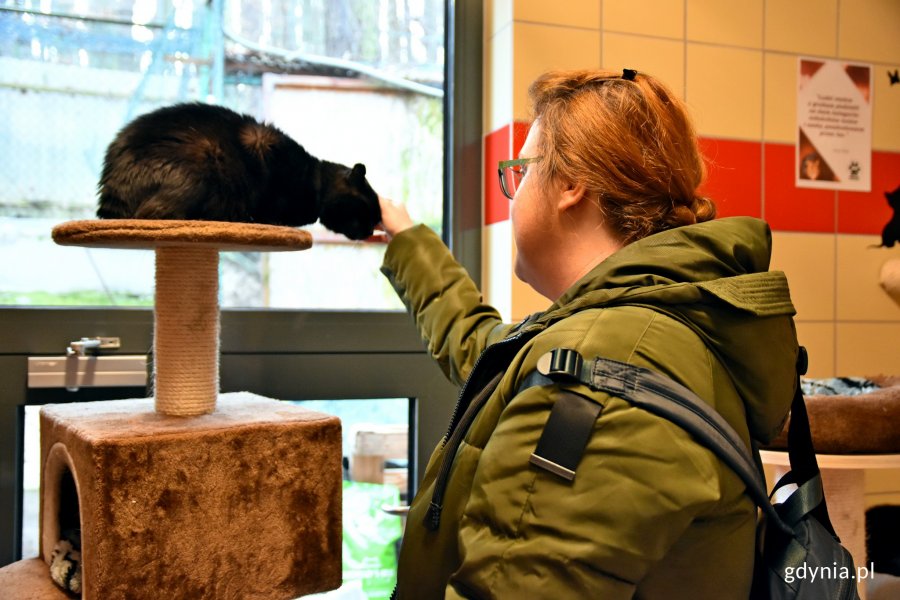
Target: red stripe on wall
x,y
789,208
520,132
869,212
499,145
496,148
733,176
735,182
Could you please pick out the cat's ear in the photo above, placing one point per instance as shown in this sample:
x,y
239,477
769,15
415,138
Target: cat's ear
x,y
358,172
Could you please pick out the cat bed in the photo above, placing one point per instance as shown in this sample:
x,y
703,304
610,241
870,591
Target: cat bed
x,y
860,424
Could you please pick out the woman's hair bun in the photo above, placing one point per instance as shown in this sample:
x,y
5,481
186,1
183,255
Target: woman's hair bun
x,y
700,210
704,209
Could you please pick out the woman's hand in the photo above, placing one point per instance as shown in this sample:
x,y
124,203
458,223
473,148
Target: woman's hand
x,y
394,217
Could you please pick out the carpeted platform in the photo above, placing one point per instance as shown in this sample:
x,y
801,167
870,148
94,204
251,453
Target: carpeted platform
x,y
29,579
153,233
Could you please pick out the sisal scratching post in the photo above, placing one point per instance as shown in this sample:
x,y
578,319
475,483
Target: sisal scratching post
x,y
186,330
191,493
186,314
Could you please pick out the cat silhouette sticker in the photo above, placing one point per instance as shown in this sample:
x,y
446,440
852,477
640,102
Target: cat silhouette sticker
x,y
890,235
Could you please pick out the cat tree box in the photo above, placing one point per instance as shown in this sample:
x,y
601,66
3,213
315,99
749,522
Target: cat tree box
x,y
241,503
191,493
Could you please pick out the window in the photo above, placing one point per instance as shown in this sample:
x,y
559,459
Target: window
x,y
350,80
72,72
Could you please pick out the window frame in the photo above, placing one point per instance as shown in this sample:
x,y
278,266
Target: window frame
x,y
291,354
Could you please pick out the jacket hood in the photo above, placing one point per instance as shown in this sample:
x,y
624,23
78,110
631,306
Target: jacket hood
x,y
714,278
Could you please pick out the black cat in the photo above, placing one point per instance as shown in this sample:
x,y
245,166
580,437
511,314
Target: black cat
x,y
891,232
205,162
882,533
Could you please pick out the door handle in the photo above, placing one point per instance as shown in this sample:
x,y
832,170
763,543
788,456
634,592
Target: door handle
x,y
94,345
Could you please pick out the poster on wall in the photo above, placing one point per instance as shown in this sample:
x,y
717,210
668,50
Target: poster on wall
x,y
834,123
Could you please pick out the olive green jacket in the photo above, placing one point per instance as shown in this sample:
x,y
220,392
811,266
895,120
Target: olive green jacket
x,y
650,513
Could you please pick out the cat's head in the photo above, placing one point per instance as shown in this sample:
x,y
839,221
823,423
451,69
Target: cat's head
x,y
893,199
350,205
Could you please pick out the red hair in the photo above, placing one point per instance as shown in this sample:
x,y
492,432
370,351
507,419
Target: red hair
x,y
630,142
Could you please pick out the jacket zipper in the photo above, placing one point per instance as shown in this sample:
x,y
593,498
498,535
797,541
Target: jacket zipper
x,y
459,424
462,392
433,516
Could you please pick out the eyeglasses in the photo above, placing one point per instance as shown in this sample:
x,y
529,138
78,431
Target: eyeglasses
x,y
512,172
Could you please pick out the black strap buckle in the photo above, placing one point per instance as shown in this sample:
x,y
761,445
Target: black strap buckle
x,y
561,362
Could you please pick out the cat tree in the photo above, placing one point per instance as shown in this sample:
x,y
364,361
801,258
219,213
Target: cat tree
x,y
851,434
191,493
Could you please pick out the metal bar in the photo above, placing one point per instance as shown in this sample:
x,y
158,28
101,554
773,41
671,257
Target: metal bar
x,y
74,372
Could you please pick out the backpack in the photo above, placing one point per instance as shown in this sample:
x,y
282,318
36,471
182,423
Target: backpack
x,y
798,554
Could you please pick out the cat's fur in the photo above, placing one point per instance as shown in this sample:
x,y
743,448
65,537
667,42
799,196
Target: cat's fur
x,y
206,162
65,562
882,535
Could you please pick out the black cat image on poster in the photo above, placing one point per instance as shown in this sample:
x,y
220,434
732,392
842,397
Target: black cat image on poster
x,y
890,235
203,162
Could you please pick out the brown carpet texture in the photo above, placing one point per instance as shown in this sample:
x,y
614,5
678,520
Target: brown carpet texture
x,y
243,503
863,424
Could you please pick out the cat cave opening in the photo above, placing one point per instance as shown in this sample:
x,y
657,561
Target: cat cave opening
x,y
61,518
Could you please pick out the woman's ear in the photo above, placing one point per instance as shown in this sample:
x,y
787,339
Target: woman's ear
x,y
571,195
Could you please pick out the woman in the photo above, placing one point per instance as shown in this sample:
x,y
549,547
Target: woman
x,y
608,225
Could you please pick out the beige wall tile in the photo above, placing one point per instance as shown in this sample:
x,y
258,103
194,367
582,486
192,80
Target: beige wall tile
x,y
497,15
802,26
663,18
867,30
808,260
818,338
728,23
498,81
574,13
780,106
866,349
540,48
881,481
724,90
661,58
860,297
496,267
885,497
882,487
886,108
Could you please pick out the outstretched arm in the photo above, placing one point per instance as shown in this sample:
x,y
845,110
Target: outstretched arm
x,y
438,292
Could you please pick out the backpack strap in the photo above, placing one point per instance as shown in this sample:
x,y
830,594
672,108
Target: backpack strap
x,y
802,455
660,395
